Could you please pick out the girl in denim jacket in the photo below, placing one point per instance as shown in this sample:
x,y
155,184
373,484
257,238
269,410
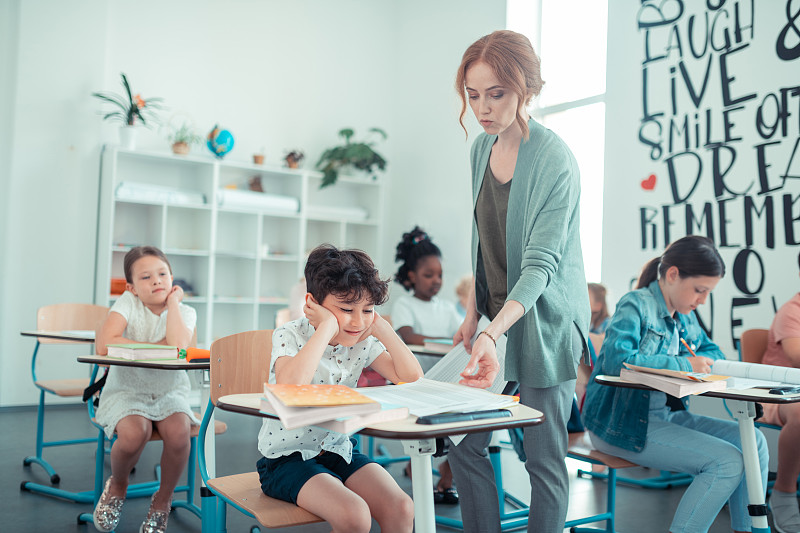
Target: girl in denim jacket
x,y
637,425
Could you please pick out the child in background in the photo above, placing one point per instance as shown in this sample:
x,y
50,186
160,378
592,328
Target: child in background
x,y
646,330
423,315
462,292
137,399
600,316
597,333
340,335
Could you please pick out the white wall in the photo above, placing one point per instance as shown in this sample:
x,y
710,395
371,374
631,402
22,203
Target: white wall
x,y
276,74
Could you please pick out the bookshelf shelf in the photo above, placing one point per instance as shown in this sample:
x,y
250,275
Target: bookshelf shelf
x,y
240,260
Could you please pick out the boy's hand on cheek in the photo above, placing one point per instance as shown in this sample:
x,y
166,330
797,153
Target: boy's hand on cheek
x,y
317,315
374,327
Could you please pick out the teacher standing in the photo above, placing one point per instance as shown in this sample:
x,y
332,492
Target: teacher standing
x,y
529,279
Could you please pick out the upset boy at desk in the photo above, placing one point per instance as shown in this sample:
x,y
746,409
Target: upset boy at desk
x,y
339,336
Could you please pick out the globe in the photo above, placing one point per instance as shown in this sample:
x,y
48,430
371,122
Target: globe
x,y
220,141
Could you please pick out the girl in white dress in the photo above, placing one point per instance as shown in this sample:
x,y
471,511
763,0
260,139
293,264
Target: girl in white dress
x,y
135,400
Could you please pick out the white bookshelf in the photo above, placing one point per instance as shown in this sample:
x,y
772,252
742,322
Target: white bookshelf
x,y
241,261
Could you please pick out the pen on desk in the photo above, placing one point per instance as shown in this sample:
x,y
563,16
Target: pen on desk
x,y
688,347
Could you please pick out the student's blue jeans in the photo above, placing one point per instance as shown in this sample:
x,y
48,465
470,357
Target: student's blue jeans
x,y
707,448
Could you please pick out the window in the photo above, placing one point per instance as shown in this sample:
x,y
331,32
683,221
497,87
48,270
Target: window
x,y
570,37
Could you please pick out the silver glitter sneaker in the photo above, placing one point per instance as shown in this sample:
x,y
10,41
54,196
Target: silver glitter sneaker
x,y
155,521
109,509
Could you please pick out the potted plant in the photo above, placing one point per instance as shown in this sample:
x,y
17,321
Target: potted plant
x,y
131,107
293,158
183,138
359,155
258,158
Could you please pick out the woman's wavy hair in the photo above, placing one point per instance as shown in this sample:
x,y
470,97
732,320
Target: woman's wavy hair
x,y
511,57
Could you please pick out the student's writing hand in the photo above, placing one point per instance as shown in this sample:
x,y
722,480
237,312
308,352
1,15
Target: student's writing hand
x,y
318,315
175,295
465,333
484,358
701,364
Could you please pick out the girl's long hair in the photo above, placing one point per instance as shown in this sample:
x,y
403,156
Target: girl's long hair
x,y
693,255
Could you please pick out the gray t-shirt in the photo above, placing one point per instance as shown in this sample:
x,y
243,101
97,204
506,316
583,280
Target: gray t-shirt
x,y
490,216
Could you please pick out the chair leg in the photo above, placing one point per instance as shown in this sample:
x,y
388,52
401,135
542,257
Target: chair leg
x,y
55,479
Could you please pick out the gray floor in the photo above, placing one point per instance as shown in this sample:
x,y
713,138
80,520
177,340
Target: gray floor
x,y
638,510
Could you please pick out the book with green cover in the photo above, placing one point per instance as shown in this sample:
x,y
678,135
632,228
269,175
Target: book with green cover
x,y
140,351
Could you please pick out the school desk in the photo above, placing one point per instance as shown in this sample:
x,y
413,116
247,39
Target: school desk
x,y
419,442
742,405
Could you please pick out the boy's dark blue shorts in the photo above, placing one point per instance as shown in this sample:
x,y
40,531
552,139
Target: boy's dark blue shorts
x,y
283,477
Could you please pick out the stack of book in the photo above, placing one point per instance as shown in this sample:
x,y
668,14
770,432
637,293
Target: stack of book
x,y
333,407
674,382
438,345
139,351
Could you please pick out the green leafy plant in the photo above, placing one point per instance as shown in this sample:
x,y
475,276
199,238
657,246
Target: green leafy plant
x,y
360,155
185,134
293,158
131,106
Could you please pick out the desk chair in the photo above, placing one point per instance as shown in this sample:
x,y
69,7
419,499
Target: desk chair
x,y
240,364
60,317
752,346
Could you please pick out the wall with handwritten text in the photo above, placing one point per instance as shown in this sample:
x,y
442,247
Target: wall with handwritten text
x,y
703,137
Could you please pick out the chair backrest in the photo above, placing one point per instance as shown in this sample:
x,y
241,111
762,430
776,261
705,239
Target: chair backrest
x,y
240,363
752,345
66,317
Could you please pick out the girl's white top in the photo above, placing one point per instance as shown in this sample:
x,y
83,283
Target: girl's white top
x,y
435,318
151,393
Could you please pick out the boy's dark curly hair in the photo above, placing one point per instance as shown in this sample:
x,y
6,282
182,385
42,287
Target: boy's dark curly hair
x,y
414,246
347,274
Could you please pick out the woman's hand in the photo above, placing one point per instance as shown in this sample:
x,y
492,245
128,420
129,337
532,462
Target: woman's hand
x,y
318,315
465,333
484,358
175,295
701,364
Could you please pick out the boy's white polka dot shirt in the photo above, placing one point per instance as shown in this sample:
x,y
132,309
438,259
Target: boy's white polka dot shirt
x,y
339,365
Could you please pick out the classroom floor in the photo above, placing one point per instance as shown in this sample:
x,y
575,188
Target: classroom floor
x,y
638,510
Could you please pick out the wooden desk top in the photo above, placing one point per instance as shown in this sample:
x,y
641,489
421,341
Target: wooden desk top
x,y
75,336
747,395
172,364
407,428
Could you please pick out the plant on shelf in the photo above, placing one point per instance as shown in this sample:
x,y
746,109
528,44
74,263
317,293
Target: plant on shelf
x,y
183,137
359,155
132,107
293,158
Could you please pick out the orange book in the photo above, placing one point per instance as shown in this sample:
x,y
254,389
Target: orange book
x,y
304,405
316,395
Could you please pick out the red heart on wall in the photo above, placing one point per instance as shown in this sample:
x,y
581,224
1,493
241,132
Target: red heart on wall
x,y
650,183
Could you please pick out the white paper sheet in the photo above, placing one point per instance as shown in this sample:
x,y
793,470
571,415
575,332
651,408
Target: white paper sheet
x,y
428,397
750,375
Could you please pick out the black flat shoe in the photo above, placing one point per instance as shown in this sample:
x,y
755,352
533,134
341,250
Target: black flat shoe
x,y
447,496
